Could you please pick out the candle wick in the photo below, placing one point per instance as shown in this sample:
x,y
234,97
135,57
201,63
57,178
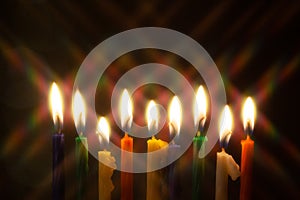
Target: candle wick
x,y
201,124
80,125
126,127
172,129
248,129
58,124
225,138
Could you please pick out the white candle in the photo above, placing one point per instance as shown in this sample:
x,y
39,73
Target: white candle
x,y
225,163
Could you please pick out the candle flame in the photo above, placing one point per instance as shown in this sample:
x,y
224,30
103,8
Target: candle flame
x,y
175,113
249,114
55,100
103,129
79,112
200,106
152,116
126,110
225,124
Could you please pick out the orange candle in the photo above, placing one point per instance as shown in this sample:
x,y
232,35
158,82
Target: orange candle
x,y
126,160
247,150
126,146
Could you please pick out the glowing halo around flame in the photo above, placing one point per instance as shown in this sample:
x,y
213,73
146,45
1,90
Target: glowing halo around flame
x,y
249,114
152,116
103,129
55,100
175,117
79,111
126,109
200,106
225,124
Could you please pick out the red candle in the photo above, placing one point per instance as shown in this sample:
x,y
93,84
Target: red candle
x,y
127,147
247,150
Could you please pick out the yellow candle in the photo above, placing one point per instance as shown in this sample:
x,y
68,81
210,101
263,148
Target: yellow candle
x,y
155,181
154,178
105,161
105,184
225,163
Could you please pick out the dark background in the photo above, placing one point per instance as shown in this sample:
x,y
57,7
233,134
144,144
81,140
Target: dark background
x,y
255,46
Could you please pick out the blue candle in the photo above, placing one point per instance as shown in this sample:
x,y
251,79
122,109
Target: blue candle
x,y
58,178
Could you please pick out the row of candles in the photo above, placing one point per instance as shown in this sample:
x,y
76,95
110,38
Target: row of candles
x,y
226,166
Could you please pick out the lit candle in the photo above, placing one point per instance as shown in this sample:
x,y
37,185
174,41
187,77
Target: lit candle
x,y
248,113
105,172
175,117
125,108
225,163
154,178
58,179
200,109
81,152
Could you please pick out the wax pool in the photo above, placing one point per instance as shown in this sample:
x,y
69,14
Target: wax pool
x,y
81,156
58,178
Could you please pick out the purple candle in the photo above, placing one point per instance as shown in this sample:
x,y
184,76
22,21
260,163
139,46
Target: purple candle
x,y
58,178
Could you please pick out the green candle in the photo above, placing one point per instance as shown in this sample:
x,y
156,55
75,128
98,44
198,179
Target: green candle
x,y
81,154
200,109
198,166
81,148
